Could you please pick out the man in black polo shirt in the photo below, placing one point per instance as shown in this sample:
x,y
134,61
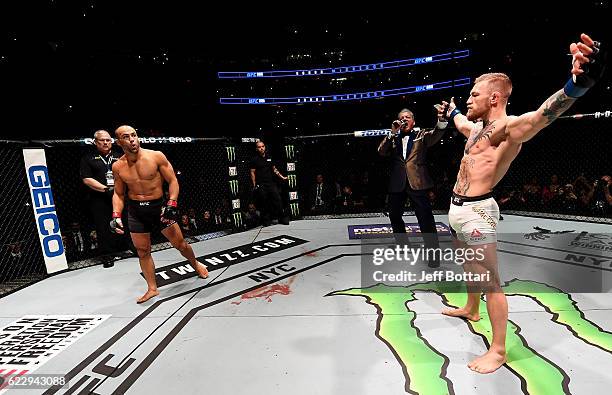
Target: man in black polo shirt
x,y
265,191
97,175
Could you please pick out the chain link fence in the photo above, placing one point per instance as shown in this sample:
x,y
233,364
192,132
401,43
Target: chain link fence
x,y
564,172
21,260
204,204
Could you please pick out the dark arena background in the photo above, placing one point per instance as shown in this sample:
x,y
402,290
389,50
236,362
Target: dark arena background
x,y
321,87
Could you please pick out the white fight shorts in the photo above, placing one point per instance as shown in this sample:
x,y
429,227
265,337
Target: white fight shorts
x,y
473,220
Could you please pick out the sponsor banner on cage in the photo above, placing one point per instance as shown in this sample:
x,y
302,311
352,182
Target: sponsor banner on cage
x,y
45,216
292,180
218,260
31,341
385,230
289,151
234,187
293,195
231,153
236,204
237,219
295,209
291,166
149,140
232,171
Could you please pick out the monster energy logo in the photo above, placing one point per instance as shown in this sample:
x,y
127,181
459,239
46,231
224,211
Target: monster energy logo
x,y
425,368
237,218
295,209
234,187
231,153
292,180
289,151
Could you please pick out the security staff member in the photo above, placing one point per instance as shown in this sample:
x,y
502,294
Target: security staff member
x,y
96,173
409,176
265,191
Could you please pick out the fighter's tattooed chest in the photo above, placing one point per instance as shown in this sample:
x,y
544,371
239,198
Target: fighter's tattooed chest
x,y
485,133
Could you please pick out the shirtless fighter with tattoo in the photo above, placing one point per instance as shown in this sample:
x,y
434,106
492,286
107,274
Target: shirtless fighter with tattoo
x,y
143,171
494,140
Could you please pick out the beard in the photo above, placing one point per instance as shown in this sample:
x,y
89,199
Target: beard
x,y
473,115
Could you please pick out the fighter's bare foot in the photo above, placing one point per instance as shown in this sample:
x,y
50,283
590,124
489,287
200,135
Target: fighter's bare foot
x,y
202,270
462,312
488,362
148,295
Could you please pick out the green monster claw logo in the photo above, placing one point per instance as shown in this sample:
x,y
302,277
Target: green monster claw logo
x,y
292,180
231,153
425,367
234,187
237,218
295,209
289,151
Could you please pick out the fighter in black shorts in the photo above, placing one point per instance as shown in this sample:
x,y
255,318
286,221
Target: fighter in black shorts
x,y
143,172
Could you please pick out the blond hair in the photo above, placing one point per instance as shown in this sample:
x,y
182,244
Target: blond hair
x,y
499,82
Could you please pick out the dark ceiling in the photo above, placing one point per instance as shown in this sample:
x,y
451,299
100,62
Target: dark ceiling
x,y
69,68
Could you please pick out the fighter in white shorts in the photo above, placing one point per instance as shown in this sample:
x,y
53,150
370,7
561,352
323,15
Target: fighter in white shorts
x,y
473,220
493,143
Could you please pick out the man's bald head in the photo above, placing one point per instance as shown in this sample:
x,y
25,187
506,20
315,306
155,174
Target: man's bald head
x,y
123,129
127,138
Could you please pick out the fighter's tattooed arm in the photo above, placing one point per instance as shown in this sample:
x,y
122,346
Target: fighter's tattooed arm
x,y
523,128
556,105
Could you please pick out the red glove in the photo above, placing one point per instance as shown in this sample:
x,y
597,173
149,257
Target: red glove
x,y
170,213
116,224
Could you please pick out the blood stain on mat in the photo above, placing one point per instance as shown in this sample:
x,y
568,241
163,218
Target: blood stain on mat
x,y
310,253
267,292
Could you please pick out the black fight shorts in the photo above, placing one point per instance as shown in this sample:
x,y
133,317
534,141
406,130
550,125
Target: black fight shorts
x,y
144,216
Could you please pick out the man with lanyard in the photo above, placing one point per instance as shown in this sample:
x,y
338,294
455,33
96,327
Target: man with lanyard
x,y
265,191
96,173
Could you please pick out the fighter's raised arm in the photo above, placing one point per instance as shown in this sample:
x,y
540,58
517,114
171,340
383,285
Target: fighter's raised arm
x,y
587,68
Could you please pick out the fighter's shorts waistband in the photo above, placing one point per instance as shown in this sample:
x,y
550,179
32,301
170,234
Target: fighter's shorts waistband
x,y
136,203
458,200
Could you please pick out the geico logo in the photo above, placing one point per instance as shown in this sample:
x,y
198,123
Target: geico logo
x,y
44,207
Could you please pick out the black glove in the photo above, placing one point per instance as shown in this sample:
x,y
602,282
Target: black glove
x,y
447,110
170,213
593,70
116,224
